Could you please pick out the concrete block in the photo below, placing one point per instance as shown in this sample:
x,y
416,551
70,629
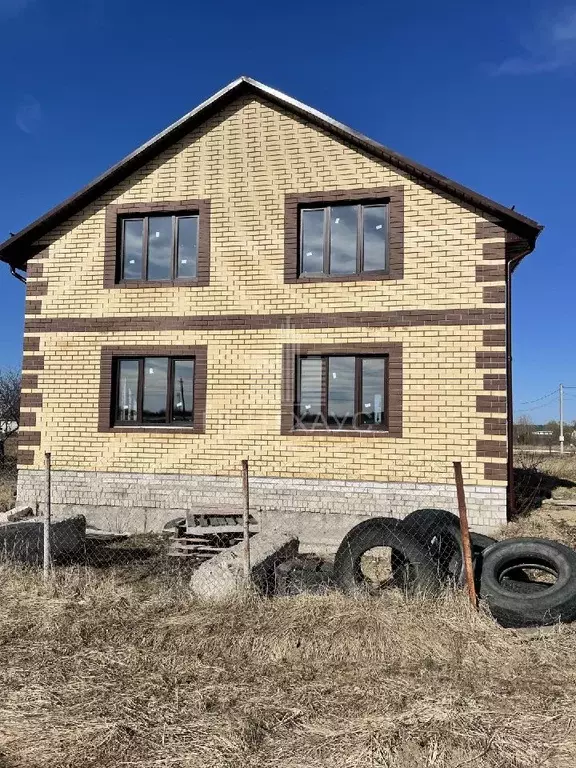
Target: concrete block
x,y
222,577
15,514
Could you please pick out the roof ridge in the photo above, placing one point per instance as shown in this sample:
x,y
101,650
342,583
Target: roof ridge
x,y
17,249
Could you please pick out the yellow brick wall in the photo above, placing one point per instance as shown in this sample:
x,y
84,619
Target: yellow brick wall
x,y
245,161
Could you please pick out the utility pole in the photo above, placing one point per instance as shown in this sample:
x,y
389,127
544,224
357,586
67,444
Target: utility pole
x,y
561,394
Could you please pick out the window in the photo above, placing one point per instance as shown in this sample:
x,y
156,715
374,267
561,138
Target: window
x,y
157,244
154,391
341,392
158,247
342,240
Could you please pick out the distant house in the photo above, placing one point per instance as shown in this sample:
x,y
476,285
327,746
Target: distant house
x,y
260,281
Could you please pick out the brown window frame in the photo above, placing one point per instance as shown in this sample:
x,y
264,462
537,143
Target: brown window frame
x,y
109,383
146,219
359,272
393,387
140,359
294,204
116,215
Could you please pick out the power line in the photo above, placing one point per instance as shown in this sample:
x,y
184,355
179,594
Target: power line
x,y
535,408
528,402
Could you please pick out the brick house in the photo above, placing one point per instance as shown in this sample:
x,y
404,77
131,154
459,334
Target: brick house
x,y
260,281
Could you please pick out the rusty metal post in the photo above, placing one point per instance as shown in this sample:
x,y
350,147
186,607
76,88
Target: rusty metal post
x,y
465,533
47,516
246,520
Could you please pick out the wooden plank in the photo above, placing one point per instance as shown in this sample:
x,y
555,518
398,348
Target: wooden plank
x,y
214,529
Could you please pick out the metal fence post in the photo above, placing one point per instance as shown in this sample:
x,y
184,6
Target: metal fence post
x,y
465,533
246,521
47,516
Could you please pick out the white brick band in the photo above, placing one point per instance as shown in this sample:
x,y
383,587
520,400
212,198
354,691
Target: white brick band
x,y
318,511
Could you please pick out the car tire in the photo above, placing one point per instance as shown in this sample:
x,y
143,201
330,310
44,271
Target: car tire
x,y
418,571
439,531
517,603
480,542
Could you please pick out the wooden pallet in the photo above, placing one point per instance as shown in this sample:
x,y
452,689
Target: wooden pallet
x,y
205,533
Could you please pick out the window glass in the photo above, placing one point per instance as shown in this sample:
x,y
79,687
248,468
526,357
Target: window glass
x,y
132,249
183,395
127,403
309,409
374,237
373,379
341,387
159,248
155,389
343,239
312,259
187,262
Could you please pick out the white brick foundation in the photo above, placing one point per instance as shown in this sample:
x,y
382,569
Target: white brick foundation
x,y
320,512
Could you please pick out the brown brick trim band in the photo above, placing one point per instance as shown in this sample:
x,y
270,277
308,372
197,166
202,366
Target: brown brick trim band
x,y
400,318
27,419
37,288
490,404
111,242
31,343
32,307
495,382
31,400
28,438
495,427
492,251
200,380
494,294
29,381
490,359
493,471
25,458
494,337
491,449
35,269
394,393
487,229
490,273
33,363
395,198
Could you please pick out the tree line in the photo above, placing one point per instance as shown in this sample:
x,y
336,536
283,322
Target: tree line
x,y
547,435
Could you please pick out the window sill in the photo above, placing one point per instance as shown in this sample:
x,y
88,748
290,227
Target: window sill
x,y
380,275
160,429
180,283
342,433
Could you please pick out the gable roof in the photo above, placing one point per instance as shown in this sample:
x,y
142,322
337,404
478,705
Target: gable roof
x,y
19,248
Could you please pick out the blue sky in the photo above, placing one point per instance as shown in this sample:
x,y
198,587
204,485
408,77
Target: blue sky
x,y
482,92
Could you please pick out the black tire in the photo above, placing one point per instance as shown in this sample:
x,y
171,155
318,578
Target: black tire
x,y
480,542
439,531
418,572
517,603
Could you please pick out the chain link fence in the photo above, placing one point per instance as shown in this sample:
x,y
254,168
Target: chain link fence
x,y
213,552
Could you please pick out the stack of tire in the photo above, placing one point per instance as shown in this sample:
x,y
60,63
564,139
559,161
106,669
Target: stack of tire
x,y
427,553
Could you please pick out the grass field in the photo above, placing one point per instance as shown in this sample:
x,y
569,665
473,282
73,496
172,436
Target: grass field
x,y
101,669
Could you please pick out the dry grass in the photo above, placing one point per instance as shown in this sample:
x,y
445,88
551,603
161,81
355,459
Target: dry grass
x,y
559,466
103,670
97,673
